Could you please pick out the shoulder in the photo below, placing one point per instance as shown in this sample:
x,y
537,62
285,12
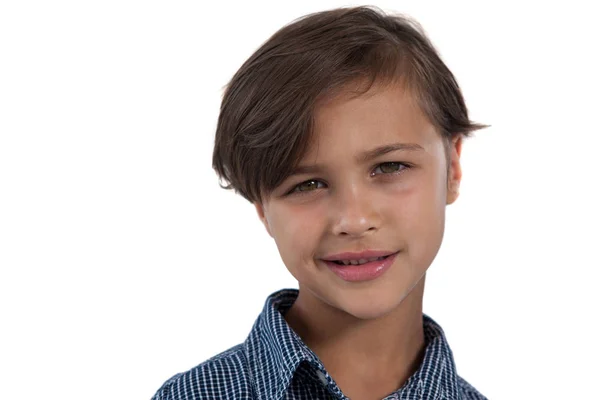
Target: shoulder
x,y
222,376
468,392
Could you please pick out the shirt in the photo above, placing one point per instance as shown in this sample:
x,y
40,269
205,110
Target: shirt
x,y
273,363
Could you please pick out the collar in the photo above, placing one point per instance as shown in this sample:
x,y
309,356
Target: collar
x,y
436,378
275,352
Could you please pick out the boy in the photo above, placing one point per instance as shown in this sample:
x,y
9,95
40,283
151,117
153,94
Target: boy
x,y
345,131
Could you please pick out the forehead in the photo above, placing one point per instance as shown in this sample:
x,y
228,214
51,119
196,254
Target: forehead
x,y
385,114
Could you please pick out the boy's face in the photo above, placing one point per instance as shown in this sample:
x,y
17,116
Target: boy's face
x,y
393,202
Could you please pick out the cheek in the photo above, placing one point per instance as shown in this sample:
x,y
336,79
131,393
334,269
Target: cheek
x,y
420,209
297,232
423,195
429,215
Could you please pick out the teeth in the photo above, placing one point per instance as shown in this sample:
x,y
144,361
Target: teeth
x,y
361,261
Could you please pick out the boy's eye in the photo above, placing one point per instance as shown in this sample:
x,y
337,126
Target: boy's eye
x,y
390,167
307,186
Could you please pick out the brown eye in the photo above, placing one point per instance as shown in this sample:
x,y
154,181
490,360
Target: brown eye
x,y
390,167
307,186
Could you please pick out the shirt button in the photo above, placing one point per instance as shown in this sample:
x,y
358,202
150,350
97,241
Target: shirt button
x,y
322,377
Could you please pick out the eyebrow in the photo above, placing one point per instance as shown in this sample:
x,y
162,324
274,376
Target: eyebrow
x,y
388,148
364,157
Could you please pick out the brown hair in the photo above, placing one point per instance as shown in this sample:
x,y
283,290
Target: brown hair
x,y
266,118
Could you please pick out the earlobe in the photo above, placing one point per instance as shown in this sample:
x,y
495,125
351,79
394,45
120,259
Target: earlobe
x,y
453,192
261,214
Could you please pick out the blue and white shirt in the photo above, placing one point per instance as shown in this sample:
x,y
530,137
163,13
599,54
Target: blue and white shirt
x,y
275,364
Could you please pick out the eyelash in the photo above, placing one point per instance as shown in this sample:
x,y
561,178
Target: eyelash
x,y
404,166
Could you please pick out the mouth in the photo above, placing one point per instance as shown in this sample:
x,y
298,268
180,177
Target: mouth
x,y
360,261
351,268
359,258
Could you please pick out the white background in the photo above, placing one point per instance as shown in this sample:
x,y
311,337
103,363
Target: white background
x,y
123,262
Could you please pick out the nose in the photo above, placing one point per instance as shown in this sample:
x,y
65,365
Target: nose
x,y
355,213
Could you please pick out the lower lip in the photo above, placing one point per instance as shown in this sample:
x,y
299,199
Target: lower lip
x,y
365,272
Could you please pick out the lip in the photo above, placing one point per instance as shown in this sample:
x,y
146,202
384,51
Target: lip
x,y
360,273
357,256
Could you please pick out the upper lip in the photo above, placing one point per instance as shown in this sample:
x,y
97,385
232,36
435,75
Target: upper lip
x,y
346,256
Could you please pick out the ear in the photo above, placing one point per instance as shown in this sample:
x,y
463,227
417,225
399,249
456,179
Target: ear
x,y
454,170
260,210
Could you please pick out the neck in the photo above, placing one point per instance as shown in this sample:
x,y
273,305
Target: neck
x,y
360,354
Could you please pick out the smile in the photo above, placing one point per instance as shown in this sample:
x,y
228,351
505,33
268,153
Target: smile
x,y
359,262
362,269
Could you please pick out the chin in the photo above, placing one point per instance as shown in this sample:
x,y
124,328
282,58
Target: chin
x,y
366,313
369,307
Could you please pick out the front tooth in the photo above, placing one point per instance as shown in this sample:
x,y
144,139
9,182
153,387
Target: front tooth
x,y
354,262
346,262
362,261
